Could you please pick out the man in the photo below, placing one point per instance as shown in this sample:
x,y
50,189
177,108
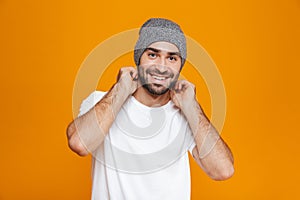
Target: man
x,y
140,131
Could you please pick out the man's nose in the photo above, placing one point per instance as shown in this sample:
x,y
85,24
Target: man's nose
x,y
161,65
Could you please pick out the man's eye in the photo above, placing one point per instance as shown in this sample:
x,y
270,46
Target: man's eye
x,y
151,55
172,58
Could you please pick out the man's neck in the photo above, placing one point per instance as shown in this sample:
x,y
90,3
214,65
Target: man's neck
x,y
151,100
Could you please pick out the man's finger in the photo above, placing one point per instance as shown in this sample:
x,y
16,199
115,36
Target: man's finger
x,y
134,74
176,86
135,78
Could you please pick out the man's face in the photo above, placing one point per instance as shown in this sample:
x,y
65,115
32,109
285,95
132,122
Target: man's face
x,y
159,67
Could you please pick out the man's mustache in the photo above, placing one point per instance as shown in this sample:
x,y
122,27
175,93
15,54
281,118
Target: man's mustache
x,y
158,72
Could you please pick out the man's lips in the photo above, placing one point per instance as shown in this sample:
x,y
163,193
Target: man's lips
x,y
158,79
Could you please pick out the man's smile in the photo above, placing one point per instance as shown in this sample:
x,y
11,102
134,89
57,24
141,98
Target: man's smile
x,y
157,79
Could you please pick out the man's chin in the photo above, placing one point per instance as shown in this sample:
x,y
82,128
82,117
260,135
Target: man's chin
x,y
155,89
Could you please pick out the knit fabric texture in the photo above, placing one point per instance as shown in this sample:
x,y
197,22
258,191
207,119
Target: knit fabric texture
x,y
160,30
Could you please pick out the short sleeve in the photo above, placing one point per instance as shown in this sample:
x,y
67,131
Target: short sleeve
x,y
193,144
90,102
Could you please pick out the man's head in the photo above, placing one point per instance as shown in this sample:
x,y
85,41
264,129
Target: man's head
x,y
159,54
158,30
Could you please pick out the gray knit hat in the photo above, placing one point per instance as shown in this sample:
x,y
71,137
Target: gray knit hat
x,y
159,29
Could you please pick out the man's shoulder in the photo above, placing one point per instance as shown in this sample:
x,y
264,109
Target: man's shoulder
x,y
96,94
91,101
94,97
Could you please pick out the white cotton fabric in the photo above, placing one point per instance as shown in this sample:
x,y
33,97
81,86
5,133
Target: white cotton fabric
x,y
144,155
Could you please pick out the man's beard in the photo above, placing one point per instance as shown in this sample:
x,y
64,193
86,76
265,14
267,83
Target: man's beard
x,y
153,88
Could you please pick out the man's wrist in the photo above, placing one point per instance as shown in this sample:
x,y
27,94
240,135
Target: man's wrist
x,y
123,90
190,107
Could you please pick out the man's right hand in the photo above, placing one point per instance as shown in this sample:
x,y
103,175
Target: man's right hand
x,y
127,79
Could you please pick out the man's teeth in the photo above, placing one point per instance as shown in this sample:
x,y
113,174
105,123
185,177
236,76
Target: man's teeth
x,y
159,78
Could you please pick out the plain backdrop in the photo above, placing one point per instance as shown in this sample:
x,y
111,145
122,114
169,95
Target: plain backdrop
x,y
255,45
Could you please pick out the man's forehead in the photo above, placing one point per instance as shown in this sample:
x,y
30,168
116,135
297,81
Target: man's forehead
x,y
164,46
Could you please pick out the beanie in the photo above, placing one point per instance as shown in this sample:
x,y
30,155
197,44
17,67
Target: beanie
x,y
160,30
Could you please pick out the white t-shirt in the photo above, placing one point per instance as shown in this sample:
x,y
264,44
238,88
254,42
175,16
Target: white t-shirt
x,y
144,156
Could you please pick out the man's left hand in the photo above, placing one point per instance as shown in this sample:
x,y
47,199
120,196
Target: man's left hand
x,y
183,94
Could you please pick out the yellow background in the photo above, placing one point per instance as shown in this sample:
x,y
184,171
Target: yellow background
x,y
255,44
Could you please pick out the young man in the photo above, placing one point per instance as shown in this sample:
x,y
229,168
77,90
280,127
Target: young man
x,y
140,131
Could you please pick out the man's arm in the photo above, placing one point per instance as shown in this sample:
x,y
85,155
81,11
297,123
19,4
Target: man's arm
x,y
88,131
211,153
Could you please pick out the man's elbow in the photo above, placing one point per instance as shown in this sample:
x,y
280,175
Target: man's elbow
x,y
223,174
74,141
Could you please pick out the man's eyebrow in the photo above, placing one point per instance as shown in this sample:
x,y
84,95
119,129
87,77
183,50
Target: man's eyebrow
x,y
157,51
174,53
153,49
